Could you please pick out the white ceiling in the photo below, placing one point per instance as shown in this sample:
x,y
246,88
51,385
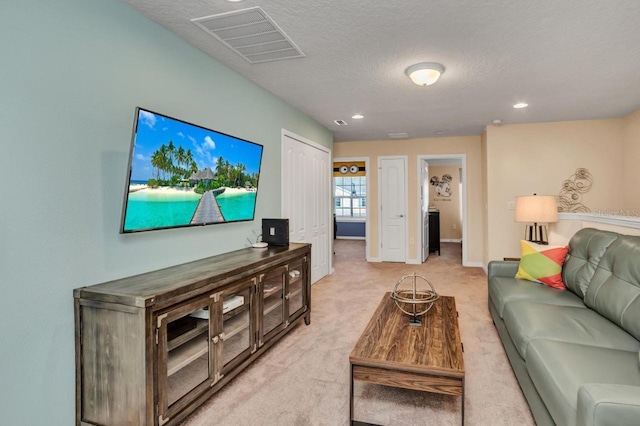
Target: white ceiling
x,y
568,59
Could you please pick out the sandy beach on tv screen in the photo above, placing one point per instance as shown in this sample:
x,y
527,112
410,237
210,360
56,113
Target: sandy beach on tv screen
x,y
174,190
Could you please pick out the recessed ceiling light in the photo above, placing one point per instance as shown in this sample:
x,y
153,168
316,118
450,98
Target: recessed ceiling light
x,y
234,1
357,116
521,105
497,122
440,132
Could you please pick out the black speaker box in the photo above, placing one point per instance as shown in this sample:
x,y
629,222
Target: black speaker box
x,y
275,232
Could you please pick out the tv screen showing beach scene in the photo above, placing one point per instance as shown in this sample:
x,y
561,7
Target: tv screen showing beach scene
x,y
181,174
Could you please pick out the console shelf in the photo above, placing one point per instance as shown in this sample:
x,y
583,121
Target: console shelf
x,y
234,326
186,353
153,347
202,326
271,305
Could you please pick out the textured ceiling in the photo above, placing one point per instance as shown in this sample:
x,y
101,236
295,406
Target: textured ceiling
x,y
568,59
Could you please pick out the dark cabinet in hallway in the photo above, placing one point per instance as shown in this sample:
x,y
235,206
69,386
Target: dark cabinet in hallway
x,y
434,231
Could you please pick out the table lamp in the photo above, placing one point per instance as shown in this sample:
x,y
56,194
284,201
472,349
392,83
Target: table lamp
x,y
538,210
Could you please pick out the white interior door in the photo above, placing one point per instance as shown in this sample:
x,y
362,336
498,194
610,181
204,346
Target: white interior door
x,y
393,213
424,203
306,196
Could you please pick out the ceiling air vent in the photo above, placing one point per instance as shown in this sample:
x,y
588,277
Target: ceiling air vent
x,y
252,34
340,122
400,135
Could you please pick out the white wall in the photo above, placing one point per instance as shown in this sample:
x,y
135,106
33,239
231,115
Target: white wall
x,y
71,74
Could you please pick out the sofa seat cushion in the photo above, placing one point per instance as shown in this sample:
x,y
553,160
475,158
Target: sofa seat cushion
x,y
603,404
559,369
527,321
506,289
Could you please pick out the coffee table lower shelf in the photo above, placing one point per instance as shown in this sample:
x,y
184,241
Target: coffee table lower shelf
x,y
405,380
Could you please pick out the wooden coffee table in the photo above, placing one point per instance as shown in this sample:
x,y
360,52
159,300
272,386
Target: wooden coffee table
x,y
427,358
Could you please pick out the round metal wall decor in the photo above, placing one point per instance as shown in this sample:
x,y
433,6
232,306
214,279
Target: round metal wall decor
x,y
414,299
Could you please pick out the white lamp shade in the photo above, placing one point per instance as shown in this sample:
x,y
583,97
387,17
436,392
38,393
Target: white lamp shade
x,y
536,209
425,73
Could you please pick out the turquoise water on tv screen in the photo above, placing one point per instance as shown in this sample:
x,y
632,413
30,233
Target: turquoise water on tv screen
x,y
145,210
162,210
237,207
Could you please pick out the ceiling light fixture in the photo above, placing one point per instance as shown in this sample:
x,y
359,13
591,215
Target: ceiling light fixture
x,y
521,105
425,73
357,116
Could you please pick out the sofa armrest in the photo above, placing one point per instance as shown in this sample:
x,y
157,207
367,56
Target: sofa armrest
x,y
499,268
608,405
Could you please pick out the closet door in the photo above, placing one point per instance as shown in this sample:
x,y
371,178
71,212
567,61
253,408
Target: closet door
x,y
306,199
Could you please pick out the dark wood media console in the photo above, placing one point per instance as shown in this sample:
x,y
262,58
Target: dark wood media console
x,y
152,348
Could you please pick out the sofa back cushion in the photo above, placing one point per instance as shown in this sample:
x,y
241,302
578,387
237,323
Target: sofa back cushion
x,y
585,251
614,291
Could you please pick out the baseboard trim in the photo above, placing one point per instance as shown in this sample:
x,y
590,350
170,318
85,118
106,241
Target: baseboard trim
x,y
450,240
339,237
474,265
413,262
374,259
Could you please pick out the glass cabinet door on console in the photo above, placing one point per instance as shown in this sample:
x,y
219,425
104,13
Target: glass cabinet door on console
x,y
238,336
186,337
296,290
200,341
271,318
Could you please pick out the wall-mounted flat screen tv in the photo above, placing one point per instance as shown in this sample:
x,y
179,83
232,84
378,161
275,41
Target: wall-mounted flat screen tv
x,y
181,175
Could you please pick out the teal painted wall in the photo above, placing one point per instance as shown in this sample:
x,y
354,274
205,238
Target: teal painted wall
x,y
71,74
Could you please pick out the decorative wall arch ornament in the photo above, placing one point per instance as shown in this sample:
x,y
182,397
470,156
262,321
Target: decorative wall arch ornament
x,y
570,197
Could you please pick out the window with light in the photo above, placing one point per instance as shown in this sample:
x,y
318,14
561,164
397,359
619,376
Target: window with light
x,y
350,190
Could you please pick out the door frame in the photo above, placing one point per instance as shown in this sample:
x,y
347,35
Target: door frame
x,y
422,179
463,195
367,234
329,213
405,160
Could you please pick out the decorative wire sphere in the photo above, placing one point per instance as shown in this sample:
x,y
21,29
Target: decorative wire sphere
x,y
414,301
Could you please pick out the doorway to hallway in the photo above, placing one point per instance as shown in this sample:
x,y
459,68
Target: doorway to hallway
x,y
442,188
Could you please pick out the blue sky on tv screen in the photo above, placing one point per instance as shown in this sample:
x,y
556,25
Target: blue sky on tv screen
x,y
155,130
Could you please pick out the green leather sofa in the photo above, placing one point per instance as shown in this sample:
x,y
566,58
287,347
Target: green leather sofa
x,y
575,352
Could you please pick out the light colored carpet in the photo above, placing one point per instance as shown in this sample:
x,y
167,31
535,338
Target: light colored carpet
x,y
304,378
